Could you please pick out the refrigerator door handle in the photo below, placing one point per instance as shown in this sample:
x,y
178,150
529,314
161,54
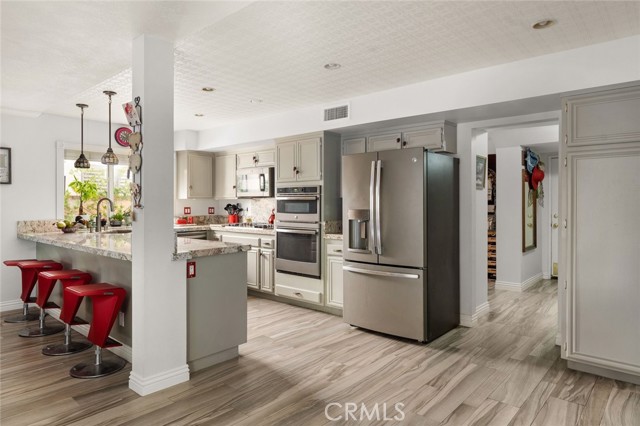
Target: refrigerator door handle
x,y
372,229
380,273
378,223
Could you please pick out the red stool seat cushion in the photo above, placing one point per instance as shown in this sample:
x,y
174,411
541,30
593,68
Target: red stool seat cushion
x,y
30,270
48,279
107,300
15,262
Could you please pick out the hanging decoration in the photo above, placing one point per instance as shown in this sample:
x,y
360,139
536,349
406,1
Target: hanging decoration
x,y
535,175
133,111
82,162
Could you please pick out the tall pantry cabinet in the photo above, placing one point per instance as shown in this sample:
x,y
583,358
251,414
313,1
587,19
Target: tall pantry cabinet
x,y
600,232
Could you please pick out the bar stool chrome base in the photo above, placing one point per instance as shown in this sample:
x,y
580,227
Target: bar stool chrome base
x,y
43,329
99,368
25,317
66,348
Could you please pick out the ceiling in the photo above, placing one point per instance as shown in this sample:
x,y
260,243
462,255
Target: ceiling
x,y
55,54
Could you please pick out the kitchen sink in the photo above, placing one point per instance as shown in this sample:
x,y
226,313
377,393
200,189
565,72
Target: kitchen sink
x,y
116,231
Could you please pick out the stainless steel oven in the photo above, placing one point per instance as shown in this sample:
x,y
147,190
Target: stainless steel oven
x,y
298,204
298,248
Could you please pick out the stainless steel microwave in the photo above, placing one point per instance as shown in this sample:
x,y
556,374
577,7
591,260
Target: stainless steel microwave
x,y
255,182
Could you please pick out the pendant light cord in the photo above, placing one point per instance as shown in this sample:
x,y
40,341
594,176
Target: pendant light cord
x,y
109,120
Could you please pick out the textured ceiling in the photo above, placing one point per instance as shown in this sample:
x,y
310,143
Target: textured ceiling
x,y
275,51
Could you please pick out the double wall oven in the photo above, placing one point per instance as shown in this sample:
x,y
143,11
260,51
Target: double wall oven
x,y
298,230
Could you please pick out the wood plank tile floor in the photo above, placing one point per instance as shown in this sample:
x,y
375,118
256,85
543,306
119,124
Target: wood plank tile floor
x,y
505,371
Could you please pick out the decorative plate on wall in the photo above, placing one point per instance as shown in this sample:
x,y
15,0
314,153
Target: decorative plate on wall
x,y
122,136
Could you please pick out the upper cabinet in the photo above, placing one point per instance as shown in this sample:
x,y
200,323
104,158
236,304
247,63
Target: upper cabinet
x,y
225,182
194,175
299,160
257,159
439,137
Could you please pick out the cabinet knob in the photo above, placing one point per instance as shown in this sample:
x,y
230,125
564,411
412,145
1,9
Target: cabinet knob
x,y
295,168
190,186
404,143
234,187
297,293
398,140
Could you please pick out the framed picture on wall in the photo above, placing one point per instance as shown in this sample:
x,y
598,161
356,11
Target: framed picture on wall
x,y
5,165
481,171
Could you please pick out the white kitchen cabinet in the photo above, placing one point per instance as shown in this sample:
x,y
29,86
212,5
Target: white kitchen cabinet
x,y
257,159
299,160
225,177
253,268
333,274
194,175
266,269
600,233
384,142
354,146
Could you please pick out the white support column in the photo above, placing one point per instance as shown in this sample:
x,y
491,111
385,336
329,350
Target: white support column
x,y
159,304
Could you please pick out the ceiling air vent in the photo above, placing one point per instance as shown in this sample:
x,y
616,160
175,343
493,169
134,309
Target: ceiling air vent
x,y
336,113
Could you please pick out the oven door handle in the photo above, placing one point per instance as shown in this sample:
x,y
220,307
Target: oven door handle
x,y
314,198
297,231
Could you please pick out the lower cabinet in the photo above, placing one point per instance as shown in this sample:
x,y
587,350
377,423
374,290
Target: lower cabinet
x,y
260,264
333,274
253,268
266,269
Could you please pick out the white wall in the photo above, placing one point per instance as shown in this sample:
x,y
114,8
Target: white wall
x,y
32,193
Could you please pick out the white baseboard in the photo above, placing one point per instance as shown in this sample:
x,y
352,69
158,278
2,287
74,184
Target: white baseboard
x,y
472,320
123,351
506,285
546,276
11,305
148,385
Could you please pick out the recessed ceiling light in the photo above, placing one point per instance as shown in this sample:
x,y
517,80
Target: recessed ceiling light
x,y
332,66
208,89
542,24
255,101
199,115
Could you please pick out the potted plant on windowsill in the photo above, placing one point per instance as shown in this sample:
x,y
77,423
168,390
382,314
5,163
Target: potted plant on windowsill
x,y
86,191
116,219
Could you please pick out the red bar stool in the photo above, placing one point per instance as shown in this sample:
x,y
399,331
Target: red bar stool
x,y
30,270
107,300
68,278
46,282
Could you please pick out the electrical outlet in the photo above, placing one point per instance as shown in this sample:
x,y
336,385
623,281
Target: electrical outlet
x,y
191,269
187,210
212,210
121,319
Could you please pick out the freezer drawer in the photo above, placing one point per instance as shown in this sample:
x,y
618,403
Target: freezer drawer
x,y
385,299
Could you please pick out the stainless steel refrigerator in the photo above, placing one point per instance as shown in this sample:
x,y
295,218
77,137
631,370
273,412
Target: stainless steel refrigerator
x,y
401,245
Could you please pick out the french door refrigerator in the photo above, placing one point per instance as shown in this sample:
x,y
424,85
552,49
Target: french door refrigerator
x,y
401,245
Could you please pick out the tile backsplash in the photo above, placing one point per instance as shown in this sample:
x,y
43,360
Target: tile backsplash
x,y
259,209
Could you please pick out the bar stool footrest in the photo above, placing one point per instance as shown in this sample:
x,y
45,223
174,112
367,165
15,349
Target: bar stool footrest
x,y
78,321
60,349
51,305
111,343
90,371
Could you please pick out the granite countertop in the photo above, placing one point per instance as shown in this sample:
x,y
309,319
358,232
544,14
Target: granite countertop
x,y
242,229
185,228
117,246
333,237
189,248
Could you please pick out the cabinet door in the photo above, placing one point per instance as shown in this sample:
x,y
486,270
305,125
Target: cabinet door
x,y
334,281
225,182
200,176
286,161
266,158
428,138
354,146
309,160
266,270
383,142
246,160
603,239
253,268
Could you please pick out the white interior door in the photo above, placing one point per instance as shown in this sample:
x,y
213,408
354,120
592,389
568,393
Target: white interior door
x,y
553,183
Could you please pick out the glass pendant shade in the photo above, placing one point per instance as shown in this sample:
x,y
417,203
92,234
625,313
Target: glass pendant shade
x,y
82,162
109,157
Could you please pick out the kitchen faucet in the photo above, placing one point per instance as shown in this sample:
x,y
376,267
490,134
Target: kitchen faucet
x,y
98,218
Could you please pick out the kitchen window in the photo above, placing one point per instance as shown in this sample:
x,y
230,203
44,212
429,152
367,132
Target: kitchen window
x,y
111,181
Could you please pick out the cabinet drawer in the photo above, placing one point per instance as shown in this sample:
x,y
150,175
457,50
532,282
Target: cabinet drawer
x,y
334,250
603,118
254,241
267,243
299,294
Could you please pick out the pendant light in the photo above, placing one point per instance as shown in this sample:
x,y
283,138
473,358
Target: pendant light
x,y
109,157
82,162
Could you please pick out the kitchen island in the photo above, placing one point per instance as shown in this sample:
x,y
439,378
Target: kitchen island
x,y
216,296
